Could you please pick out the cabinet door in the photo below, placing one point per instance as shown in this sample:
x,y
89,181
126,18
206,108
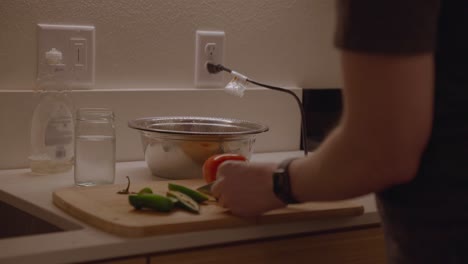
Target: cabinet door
x,y
135,260
353,246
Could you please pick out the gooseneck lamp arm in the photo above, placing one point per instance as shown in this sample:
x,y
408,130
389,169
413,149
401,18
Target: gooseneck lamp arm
x,y
216,68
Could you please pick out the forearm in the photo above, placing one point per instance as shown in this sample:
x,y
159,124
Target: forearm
x,y
385,126
341,168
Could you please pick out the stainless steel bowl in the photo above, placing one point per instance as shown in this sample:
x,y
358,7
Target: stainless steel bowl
x,y
177,147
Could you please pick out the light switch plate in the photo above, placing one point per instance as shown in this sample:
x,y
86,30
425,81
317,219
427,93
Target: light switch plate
x,y
76,42
209,46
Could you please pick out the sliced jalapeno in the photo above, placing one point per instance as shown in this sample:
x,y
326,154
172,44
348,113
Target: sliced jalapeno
x,y
184,201
195,195
151,201
145,190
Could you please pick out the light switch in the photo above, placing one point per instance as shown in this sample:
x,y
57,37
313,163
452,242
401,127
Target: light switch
x,y
79,54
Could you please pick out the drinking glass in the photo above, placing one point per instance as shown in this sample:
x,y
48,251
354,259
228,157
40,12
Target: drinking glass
x,y
95,146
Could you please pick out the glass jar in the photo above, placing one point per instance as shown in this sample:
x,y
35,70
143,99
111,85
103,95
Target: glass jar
x,y
95,146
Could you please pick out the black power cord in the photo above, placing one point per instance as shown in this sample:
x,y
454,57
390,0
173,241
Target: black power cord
x,y
216,68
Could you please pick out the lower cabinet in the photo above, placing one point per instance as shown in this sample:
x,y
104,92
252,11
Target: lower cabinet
x,y
351,246
355,246
129,260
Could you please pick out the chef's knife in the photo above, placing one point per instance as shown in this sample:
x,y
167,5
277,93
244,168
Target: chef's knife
x,y
206,189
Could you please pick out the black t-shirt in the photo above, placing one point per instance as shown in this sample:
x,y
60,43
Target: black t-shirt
x,y
426,220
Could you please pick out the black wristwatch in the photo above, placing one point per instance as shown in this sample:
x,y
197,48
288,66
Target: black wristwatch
x,y
282,183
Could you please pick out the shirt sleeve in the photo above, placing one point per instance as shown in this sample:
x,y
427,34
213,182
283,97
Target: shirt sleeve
x,y
387,26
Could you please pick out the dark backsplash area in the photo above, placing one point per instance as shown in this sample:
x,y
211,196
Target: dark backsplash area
x,y
322,108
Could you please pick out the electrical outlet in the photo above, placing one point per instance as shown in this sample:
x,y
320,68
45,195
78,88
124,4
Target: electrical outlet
x,y
209,47
76,43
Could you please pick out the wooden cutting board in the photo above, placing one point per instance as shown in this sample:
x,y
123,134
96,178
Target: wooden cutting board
x,y
103,208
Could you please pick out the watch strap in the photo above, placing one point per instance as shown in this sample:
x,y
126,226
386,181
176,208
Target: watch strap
x,y
282,182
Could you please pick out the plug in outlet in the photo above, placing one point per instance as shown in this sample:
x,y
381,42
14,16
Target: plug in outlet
x,y
209,47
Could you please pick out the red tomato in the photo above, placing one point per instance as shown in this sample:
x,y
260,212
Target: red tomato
x,y
210,167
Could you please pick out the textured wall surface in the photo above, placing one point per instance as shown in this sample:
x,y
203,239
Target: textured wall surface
x,y
151,43
278,111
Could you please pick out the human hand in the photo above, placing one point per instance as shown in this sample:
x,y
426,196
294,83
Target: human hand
x,y
246,188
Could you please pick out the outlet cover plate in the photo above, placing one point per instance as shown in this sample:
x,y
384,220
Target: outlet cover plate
x,y
209,46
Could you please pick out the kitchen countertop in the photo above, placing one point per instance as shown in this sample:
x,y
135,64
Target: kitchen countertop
x,y
81,242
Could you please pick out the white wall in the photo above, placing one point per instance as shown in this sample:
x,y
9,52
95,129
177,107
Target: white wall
x,y
145,62
150,43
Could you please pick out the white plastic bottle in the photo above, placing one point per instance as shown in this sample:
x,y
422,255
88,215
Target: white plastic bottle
x,y
52,128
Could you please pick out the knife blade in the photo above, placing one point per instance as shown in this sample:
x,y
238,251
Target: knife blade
x,y
206,189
